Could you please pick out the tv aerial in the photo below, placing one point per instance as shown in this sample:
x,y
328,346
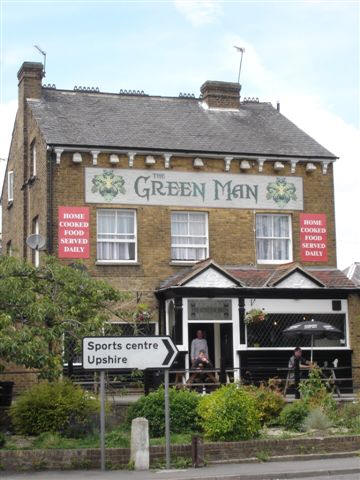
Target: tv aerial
x,y
241,51
36,241
43,54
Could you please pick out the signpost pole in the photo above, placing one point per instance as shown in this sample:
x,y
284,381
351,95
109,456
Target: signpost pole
x,y
102,419
167,418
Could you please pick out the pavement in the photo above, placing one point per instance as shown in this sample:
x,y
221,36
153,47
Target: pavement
x,y
336,468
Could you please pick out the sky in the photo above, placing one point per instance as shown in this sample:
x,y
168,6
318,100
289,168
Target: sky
x,y
304,54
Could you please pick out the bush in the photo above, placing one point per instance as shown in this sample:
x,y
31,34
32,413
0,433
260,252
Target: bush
x,y
183,411
316,420
314,393
293,415
349,416
59,407
269,403
2,439
229,414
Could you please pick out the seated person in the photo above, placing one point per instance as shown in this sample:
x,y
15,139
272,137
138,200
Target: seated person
x,y
202,362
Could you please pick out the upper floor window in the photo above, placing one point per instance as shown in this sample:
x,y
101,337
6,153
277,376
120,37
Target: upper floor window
x,y
273,238
33,159
10,186
116,235
189,236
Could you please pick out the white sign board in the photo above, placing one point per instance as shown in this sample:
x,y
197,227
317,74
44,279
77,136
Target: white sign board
x,y
192,189
122,353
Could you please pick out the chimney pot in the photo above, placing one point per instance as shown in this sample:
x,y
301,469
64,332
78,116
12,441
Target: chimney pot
x,y
218,94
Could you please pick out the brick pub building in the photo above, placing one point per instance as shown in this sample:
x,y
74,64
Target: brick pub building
x,y
209,207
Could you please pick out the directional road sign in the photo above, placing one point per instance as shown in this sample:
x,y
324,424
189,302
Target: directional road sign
x,y
122,353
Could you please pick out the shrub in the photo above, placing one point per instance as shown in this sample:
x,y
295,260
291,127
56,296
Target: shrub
x,y
183,411
314,393
269,403
293,415
2,439
316,420
349,416
53,407
229,414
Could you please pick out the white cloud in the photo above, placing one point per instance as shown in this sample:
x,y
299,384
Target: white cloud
x,y
199,12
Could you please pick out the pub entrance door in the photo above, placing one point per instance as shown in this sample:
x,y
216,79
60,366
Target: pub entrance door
x,y
219,338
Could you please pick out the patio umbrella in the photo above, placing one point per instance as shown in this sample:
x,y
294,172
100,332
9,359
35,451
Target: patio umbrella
x,y
313,329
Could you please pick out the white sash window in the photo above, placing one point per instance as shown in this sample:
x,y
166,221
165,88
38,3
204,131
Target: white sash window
x,y
273,238
116,235
189,236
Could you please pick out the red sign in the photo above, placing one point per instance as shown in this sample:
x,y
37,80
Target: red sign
x,y
74,238
313,237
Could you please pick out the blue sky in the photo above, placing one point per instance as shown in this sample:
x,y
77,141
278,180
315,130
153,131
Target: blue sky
x,y
304,54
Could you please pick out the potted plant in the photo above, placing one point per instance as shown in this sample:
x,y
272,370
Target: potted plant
x,y
255,315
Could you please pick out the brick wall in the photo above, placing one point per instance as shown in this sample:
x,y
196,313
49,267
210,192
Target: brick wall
x,y
19,460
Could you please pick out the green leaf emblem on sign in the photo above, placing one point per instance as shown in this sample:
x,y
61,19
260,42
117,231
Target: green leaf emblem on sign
x,y
108,185
281,191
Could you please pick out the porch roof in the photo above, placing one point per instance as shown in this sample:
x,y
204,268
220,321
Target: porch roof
x,y
262,277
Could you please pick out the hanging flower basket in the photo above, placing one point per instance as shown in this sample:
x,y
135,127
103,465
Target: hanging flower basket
x,y
254,316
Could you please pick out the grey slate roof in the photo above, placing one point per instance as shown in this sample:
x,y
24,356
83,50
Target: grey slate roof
x,y
167,123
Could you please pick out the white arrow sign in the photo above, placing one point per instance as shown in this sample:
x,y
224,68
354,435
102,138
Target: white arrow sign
x,y
121,353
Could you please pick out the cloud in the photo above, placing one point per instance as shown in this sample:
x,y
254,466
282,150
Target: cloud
x,y
199,12
7,119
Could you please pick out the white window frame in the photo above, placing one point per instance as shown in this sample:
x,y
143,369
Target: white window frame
x,y
33,159
272,261
36,251
206,246
11,186
125,261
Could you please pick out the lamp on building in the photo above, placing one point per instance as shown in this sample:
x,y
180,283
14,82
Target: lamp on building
x,y
310,167
198,163
245,165
150,160
77,158
278,166
114,158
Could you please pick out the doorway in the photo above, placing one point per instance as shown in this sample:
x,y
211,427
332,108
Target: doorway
x,y
219,337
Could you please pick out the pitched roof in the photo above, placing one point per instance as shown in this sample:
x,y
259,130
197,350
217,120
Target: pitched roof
x,y
169,124
256,277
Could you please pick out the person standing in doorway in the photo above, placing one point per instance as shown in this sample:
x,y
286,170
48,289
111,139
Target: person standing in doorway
x,y
199,343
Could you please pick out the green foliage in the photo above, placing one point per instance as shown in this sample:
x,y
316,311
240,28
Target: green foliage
x,y
117,439
53,407
183,408
349,416
316,420
293,415
40,306
229,414
314,393
269,403
2,440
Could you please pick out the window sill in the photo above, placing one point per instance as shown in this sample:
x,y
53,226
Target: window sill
x,y
184,263
273,262
99,262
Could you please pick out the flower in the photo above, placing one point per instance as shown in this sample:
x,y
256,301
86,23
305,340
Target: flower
x,y
254,316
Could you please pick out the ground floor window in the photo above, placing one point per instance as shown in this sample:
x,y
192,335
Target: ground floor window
x,y
268,333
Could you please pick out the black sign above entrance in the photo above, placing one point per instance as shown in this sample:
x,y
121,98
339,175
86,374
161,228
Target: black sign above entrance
x,y
209,309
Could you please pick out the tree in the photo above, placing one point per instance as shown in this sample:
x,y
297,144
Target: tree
x,y
40,307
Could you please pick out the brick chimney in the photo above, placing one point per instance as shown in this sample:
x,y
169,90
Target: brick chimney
x,y
221,94
30,76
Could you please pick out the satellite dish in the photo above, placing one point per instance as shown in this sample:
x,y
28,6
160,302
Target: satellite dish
x,y
35,241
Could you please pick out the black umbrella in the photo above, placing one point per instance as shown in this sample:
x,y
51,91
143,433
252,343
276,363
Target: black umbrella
x,y
314,329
